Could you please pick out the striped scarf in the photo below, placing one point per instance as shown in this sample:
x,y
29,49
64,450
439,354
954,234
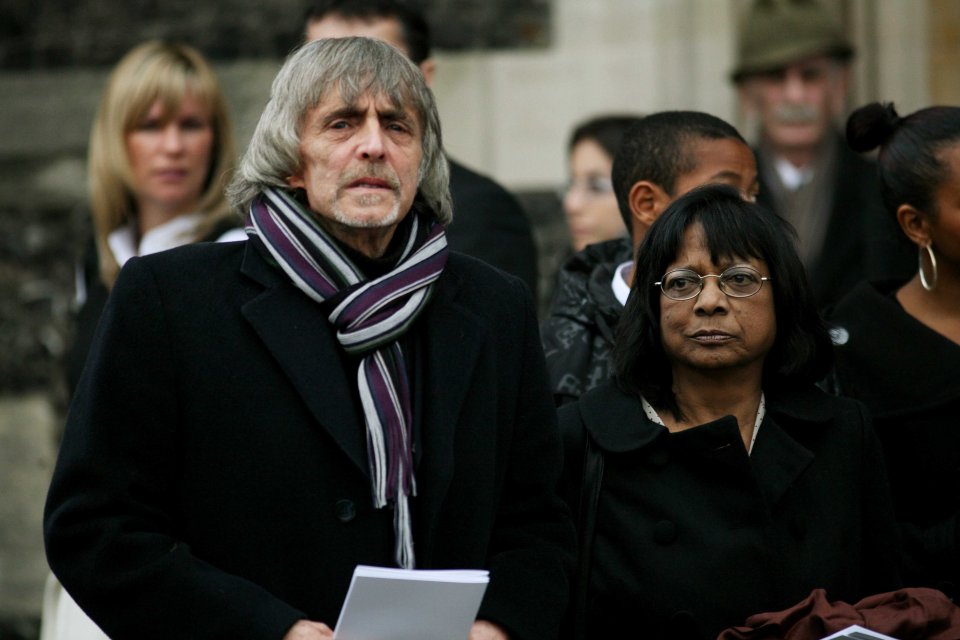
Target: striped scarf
x,y
369,319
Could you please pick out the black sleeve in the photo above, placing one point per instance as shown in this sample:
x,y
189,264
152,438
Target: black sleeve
x,y
489,224
532,549
110,522
880,571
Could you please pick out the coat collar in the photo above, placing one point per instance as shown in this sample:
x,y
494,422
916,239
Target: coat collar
x,y
869,325
616,421
303,342
617,424
454,336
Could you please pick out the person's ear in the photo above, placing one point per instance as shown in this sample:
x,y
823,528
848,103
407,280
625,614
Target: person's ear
x,y
647,201
428,67
296,181
914,224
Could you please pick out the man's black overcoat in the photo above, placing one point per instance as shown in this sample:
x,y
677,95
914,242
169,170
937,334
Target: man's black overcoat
x,y
213,478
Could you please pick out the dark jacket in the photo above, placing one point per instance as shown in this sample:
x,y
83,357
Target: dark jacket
x,y
95,297
213,477
908,375
861,241
578,332
693,536
489,224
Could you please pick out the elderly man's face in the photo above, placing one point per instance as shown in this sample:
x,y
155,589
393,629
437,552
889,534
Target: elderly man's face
x,y
359,163
796,105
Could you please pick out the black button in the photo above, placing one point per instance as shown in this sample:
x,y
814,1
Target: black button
x,y
684,625
665,532
345,510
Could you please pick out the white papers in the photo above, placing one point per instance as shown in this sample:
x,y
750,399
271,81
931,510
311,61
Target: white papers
x,y
856,632
400,604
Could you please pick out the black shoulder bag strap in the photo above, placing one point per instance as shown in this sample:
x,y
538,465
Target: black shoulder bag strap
x,y
589,497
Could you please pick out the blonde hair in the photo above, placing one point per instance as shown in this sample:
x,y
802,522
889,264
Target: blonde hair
x,y
150,72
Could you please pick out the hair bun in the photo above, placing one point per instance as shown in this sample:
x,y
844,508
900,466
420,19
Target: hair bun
x,y
871,126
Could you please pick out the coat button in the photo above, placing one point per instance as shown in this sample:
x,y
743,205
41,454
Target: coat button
x,y
665,532
683,625
345,510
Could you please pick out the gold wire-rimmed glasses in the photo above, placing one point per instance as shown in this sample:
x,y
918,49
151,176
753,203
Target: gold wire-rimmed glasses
x,y
740,281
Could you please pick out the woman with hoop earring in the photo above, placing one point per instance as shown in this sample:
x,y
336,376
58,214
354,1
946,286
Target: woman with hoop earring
x,y
898,344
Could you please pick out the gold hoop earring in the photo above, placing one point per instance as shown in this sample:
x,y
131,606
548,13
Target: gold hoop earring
x,y
932,282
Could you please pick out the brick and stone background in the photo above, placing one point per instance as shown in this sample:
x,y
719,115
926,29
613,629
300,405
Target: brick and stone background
x,y
54,59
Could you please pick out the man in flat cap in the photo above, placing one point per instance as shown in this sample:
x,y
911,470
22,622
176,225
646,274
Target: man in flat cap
x,y
792,76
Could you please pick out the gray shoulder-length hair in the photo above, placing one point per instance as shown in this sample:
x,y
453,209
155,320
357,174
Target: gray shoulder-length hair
x,y
353,66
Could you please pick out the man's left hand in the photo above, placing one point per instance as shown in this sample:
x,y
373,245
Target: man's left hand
x,y
483,630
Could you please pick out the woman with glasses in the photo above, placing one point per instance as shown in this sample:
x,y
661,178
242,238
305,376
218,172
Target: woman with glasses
x,y
589,203
898,342
712,480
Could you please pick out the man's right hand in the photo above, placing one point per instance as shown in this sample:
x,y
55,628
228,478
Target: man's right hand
x,y
308,630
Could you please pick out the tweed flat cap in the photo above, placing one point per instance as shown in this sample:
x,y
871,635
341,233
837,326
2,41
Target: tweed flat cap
x,y
776,33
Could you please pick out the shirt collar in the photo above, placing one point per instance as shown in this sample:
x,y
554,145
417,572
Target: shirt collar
x,y
621,289
792,177
175,232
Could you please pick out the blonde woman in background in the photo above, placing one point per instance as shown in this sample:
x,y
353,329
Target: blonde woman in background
x,y
159,150
160,147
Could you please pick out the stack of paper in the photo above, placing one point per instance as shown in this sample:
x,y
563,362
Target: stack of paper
x,y
400,604
856,632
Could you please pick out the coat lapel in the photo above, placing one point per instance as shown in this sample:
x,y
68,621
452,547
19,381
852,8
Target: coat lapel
x,y
777,461
297,334
300,338
779,458
453,338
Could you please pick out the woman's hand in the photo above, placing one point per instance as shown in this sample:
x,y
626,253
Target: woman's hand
x,y
308,630
483,630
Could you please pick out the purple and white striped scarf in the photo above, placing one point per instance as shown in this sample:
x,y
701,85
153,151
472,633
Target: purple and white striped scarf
x,y
369,319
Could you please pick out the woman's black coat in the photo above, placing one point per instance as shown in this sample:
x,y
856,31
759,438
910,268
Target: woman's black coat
x,y
693,536
908,375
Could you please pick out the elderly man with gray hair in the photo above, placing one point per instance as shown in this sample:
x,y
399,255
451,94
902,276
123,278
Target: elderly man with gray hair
x,y
792,75
258,418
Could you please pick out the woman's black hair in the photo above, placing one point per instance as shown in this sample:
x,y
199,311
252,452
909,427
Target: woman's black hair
x,y
732,227
909,165
606,130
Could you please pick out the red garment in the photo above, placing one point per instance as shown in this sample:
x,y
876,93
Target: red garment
x,y
906,614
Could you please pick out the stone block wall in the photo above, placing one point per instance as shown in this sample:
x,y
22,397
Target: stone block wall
x,y
77,33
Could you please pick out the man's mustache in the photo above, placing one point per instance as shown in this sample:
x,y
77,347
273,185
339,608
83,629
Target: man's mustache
x,y
375,172
795,114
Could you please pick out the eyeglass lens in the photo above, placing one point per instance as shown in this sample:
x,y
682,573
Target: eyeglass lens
x,y
739,282
591,185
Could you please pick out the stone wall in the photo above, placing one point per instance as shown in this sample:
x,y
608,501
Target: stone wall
x,y
28,428
78,33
